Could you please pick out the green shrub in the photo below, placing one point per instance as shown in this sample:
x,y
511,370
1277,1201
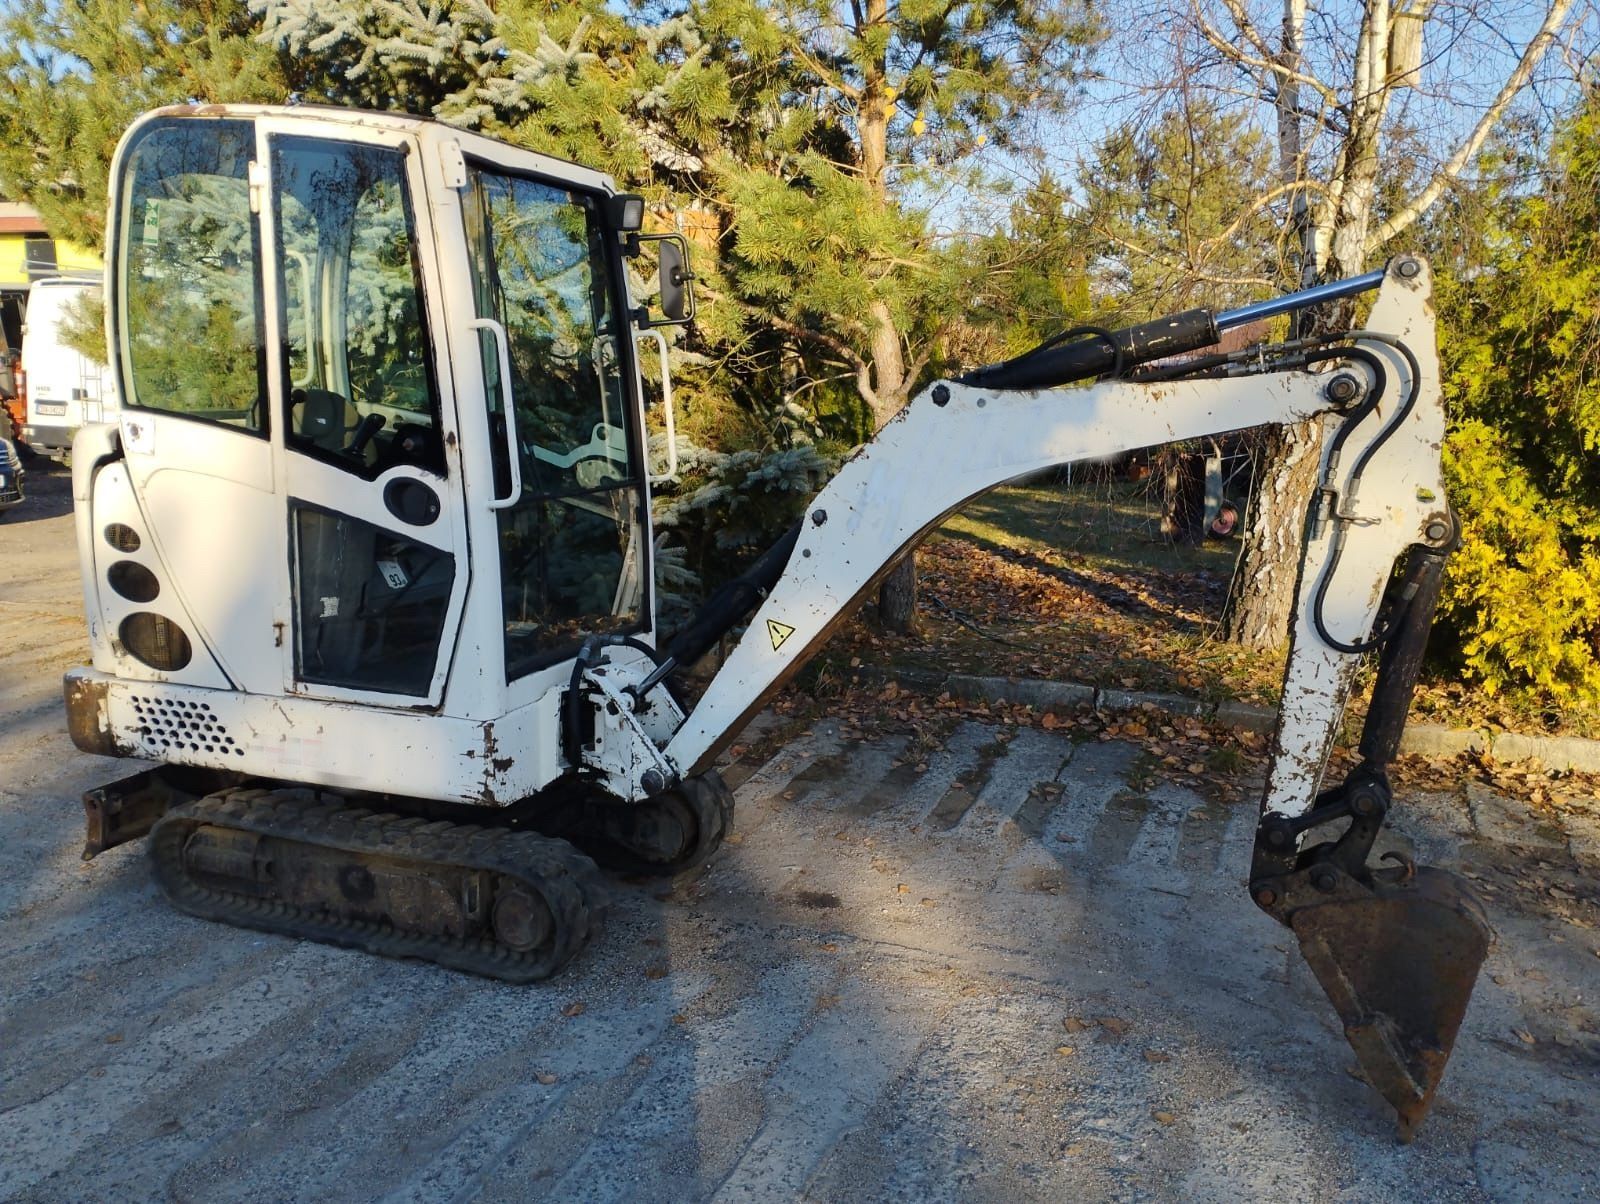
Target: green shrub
x,y
1522,611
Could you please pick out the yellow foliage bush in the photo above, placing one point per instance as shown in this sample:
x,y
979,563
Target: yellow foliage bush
x,y
1522,601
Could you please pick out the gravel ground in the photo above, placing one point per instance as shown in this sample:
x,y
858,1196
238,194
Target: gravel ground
x,y
1009,977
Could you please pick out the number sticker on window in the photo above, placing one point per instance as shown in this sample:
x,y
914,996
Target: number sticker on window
x,y
393,575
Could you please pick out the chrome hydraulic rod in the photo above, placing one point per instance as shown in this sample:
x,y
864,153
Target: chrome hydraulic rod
x,y
1334,290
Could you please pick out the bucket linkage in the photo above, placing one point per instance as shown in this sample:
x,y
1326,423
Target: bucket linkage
x,y
1396,947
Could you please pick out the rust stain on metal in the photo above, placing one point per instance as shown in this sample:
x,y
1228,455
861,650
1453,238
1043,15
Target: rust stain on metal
x,y
492,764
88,721
126,810
1398,961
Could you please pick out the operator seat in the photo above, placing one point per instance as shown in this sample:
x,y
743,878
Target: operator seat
x,y
323,418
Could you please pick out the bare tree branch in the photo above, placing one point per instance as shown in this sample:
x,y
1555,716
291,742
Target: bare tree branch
x,y
1247,27
1292,188
1447,174
1263,67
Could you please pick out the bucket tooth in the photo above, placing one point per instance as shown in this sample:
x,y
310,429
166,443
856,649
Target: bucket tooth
x,y
1398,960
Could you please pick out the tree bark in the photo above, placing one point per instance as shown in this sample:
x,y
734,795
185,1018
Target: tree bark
x,y
1261,596
897,594
1262,593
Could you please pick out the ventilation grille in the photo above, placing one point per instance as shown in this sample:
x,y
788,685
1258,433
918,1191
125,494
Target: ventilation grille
x,y
122,537
155,640
133,581
170,725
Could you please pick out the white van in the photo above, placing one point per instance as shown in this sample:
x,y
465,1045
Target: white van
x,y
65,389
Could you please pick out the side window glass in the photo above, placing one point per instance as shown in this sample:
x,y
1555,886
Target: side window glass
x,y
355,357
372,604
190,276
572,543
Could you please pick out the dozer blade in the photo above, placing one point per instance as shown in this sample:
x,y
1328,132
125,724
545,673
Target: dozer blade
x,y
1398,960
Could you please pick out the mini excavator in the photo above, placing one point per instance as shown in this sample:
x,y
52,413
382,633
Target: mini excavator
x,y
368,566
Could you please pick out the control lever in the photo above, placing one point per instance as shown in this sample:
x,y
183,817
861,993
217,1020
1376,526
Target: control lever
x,y
365,430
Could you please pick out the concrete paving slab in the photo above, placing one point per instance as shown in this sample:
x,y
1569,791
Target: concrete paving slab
x,y
1056,991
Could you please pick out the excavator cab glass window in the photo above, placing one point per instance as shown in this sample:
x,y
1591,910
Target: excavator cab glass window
x,y
189,274
354,351
571,545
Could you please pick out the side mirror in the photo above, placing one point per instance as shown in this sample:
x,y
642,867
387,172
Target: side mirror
x,y
676,282
674,269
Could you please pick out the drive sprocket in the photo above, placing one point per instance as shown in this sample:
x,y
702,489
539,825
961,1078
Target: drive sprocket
x,y
670,834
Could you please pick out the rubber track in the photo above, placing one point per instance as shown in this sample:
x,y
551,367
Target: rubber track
x,y
568,881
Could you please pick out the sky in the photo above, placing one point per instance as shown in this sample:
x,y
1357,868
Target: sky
x,y
1468,51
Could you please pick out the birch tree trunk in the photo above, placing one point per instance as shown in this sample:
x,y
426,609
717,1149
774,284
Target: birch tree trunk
x,y
1336,236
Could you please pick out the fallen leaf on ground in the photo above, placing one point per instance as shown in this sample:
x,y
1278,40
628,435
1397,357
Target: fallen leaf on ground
x,y
1155,1055
1066,1051
545,1078
1165,1118
1073,1025
576,1008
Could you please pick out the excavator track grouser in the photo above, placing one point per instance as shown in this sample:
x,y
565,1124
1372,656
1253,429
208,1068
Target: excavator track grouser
x,y
511,905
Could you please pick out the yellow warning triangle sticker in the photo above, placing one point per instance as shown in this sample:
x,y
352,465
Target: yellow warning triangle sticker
x,y
778,632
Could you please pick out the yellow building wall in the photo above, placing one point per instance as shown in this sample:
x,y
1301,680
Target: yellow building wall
x,y
13,261
70,259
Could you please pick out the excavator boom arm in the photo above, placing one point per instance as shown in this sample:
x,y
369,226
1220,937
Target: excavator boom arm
x,y
954,442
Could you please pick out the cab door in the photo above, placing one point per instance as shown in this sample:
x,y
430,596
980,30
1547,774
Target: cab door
x,y
366,449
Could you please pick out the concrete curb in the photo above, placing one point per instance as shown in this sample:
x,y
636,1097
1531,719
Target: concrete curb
x,y
1426,739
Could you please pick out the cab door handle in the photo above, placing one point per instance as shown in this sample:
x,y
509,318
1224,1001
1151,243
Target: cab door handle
x,y
503,346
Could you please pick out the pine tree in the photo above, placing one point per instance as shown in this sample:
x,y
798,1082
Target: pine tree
x,y
1167,205
830,253
79,73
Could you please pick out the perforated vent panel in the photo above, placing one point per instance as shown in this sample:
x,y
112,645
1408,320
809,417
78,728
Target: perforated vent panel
x,y
167,725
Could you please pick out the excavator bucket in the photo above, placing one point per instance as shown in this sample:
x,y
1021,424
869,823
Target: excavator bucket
x,y
1398,962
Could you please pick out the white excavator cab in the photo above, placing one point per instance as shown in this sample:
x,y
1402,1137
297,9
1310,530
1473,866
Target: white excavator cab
x,y
367,558
355,346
